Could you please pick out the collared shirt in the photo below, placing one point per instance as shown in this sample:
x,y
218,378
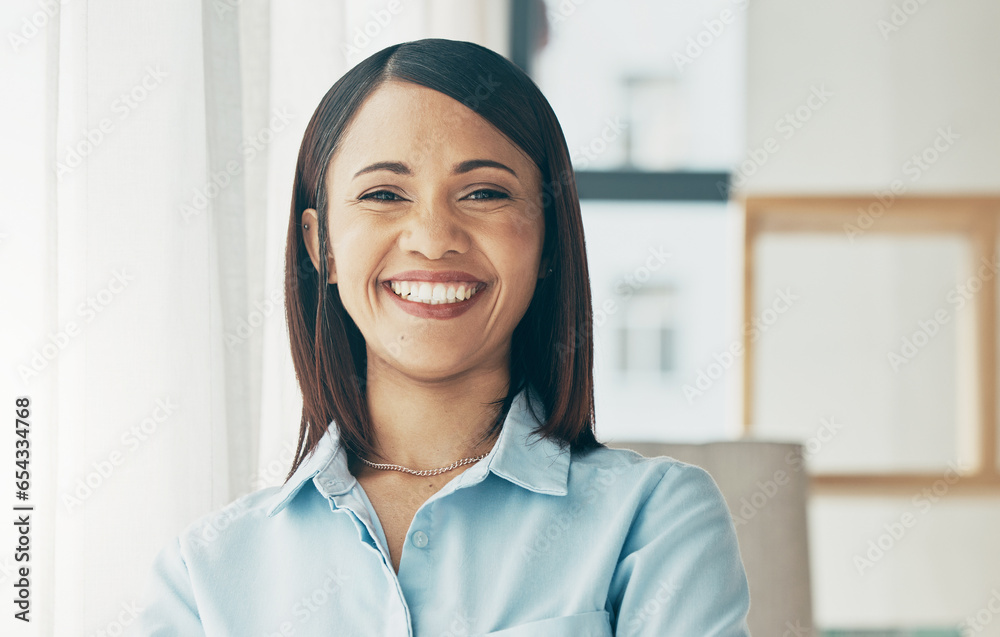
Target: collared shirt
x,y
530,541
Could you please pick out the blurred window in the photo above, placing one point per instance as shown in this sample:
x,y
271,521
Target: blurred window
x,y
880,356
650,96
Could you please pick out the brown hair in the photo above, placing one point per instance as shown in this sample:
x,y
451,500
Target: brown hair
x,y
551,347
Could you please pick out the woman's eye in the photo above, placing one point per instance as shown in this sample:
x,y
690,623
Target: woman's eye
x,y
486,193
381,195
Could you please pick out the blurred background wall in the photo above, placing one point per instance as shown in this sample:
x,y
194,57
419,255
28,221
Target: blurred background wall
x,y
778,196
904,77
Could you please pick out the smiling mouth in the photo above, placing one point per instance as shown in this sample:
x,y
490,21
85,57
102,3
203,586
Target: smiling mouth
x,y
434,293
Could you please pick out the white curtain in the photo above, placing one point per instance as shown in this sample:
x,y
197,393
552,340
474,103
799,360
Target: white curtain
x,y
145,204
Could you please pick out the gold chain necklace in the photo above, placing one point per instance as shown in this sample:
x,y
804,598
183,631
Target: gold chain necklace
x,y
425,472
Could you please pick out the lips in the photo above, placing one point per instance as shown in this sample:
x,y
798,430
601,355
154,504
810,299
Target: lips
x,y
440,294
434,276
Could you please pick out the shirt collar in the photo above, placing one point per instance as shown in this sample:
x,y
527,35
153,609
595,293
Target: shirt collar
x,y
519,456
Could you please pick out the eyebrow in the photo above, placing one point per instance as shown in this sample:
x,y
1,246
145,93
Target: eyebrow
x,y
397,167
400,168
472,164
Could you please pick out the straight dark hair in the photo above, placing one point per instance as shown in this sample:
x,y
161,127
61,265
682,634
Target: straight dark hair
x,y
551,347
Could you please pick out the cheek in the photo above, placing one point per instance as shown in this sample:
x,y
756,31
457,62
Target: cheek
x,y
357,254
528,237
531,226
517,253
356,244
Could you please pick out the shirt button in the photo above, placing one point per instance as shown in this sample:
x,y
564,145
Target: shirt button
x,y
419,539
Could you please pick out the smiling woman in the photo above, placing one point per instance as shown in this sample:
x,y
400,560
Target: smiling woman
x,y
447,478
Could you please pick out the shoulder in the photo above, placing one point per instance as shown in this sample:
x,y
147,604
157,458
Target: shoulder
x,y
238,519
677,543
659,476
641,498
185,567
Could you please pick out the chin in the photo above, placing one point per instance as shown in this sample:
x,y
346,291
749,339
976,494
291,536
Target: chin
x,y
428,363
430,372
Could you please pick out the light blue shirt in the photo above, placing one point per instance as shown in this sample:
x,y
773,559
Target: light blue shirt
x,y
531,541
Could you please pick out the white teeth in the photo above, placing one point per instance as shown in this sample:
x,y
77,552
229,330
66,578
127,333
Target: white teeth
x,y
433,294
439,294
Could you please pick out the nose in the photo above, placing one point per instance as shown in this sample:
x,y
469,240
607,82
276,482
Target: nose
x,y
434,230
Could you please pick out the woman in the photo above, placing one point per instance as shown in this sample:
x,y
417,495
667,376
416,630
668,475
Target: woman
x,y
447,479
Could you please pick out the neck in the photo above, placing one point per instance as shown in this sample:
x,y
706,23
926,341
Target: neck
x,y
431,424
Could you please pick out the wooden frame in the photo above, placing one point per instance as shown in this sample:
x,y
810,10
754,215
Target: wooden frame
x,y
978,217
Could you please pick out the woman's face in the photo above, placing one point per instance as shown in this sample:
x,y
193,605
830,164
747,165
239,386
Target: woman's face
x,y
426,197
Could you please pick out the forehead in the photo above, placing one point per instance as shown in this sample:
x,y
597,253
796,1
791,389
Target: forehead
x,y
401,121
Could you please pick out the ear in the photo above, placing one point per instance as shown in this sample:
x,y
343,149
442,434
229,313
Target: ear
x,y
310,233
